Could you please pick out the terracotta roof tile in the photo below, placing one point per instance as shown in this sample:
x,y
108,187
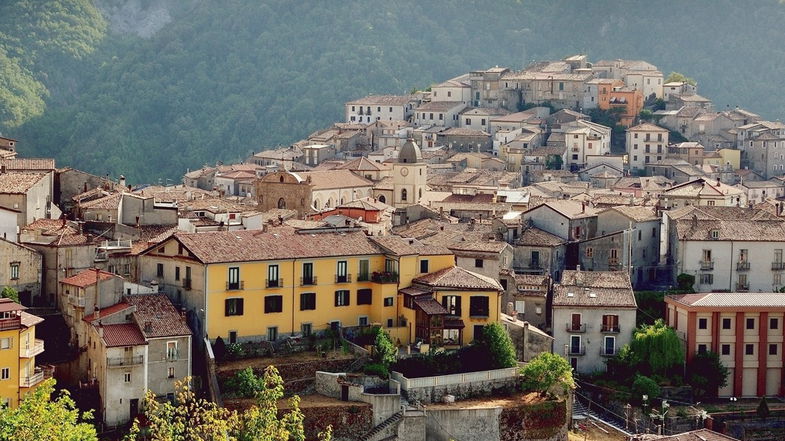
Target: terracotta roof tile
x,y
594,289
18,182
401,246
126,334
697,435
430,306
338,178
732,299
533,236
281,243
458,278
110,202
114,309
87,278
158,310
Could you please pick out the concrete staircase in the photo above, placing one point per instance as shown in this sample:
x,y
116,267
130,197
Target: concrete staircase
x,y
386,430
580,411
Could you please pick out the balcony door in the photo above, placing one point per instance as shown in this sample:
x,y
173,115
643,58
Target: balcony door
x,y
576,322
535,260
575,344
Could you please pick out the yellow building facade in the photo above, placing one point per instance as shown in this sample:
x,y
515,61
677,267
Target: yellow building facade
x,y
18,349
266,285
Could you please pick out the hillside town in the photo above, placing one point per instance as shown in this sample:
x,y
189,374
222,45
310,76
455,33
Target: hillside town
x,y
578,206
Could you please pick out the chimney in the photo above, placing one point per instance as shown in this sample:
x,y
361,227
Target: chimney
x,y
694,220
100,330
583,207
122,181
97,313
183,315
148,326
2,169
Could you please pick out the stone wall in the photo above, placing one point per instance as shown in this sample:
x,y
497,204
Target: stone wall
x,y
348,422
463,424
384,405
462,386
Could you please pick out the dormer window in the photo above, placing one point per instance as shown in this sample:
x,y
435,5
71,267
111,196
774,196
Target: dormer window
x,y
715,234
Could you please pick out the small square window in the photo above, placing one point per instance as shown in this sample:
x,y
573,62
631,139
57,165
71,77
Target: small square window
x,y
170,372
726,323
749,349
774,323
773,349
388,301
703,323
750,323
127,377
702,349
478,263
725,349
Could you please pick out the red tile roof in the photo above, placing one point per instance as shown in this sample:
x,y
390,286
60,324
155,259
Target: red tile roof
x,y
458,278
156,309
87,278
126,334
114,309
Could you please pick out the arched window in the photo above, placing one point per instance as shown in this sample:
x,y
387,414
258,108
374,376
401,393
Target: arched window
x,y
382,199
403,194
281,179
281,204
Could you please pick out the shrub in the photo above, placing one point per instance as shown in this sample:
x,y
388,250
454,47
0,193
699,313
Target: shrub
x,y
219,349
234,351
384,350
547,374
378,369
685,281
246,384
644,386
763,409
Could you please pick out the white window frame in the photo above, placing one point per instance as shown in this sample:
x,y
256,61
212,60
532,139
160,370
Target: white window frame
x,y
169,355
5,373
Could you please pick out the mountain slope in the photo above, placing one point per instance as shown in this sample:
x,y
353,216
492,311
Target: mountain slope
x,y
204,83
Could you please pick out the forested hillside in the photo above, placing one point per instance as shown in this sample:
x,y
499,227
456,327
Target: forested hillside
x,y
155,87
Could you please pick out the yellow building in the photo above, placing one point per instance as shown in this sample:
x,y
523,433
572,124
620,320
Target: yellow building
x,y
18,349
252,285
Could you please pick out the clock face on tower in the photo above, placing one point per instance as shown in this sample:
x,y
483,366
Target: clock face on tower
x,y
404,171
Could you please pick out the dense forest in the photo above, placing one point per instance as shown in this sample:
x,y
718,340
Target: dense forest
x,y
149,88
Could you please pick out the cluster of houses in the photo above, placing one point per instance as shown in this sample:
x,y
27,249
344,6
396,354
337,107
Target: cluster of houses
x,y
490,198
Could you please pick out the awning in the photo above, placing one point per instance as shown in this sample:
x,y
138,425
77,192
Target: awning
x,y
430,306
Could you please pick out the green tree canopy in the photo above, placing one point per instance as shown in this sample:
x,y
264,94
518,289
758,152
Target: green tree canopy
x,y
191,418
658,347
40,417
681,78
10,293
497,340
547,374
707,374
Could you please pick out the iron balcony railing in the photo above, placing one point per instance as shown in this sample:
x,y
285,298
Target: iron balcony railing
x,y
571,327
124,361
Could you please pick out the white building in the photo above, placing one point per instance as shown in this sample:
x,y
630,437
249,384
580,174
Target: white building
x,y
646,143
441,114
456,89
479,118
380,107
593,315
726,248
585,138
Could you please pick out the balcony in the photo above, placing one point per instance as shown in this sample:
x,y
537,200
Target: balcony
x,y
777,266
187,284
571,327
707,265
235,286
609,352
38,376
742,266
610,329
343,278
101,256
124,361
363,277
742,286
576,350
308,281
273,283
10,323
36,348
385,277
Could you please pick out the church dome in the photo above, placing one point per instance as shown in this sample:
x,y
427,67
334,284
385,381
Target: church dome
x,y
410,153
